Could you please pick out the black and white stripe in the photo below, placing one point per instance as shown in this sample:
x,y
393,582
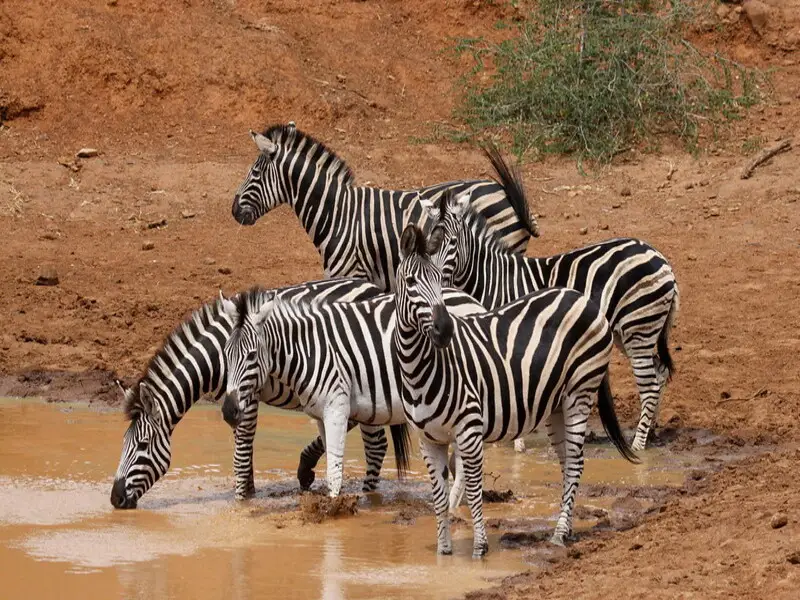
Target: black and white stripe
x,y
496,376
631,282
357,229
336,357
191,364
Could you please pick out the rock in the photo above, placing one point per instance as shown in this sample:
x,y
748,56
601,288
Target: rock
x,y
50,235
148,245
584,230
626,191
157,224
187,214
757,13
713,211
70,163
47,276
691,257
209,261
225,270
604,227
778,520
616,205
88,153
794,557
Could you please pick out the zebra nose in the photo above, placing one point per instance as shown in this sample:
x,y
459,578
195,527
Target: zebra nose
x,y
442,330
230,409
119,498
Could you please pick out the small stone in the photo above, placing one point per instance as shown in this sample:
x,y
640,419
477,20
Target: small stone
x,y
636,546
209,261
50,236
157,224
187,214
225,270
148,245
88,153
757,13
778,520
616,205
691,257
584,230
47,276
794,557
688,185
604,227
713,211
626,191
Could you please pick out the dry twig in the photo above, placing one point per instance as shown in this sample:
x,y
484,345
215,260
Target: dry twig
x,y
764,156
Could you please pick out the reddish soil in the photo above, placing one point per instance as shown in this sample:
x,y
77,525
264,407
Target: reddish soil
x,y
167,96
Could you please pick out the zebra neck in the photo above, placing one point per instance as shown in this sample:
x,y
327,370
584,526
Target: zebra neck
x,y
294,333
415,356
321,201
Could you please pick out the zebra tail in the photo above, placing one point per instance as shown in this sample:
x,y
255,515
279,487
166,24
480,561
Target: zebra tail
x,y
605,405
401,440
509,178
663,338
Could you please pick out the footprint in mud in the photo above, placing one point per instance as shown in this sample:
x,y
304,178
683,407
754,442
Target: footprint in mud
x,y
315,508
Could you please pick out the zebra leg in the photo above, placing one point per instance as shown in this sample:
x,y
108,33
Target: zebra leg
x,y
335,425
309,458
459,485
375,446
470,449
243,437
650,384
567,431
435,456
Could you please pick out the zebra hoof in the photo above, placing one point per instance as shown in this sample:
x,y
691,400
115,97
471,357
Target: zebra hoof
x,y
558,540
446,551
480,551
306,478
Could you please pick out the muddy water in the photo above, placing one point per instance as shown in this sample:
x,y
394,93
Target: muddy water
x,y
60,537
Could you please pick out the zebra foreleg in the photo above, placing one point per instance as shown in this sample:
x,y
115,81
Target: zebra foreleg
x,y
335,427
651,385
435,456
375,446
459,484
470,450
309,458
243,437
567,432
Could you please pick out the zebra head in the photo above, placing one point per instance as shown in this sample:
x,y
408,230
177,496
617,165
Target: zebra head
x,y
146,447
245,351
448,214
262,189
419,287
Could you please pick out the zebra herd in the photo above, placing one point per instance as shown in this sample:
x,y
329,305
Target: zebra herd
x,y
430,315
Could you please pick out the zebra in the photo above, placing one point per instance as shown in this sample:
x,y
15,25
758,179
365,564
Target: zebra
x,y
356,229
631,282
496,376
336,356
189,364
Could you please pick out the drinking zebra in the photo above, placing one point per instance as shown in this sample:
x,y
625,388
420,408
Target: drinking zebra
x,y
356,229
189,364
631,282
496,376
337,357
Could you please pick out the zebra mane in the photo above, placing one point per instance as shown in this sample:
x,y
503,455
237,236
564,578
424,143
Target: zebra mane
x,y
169,353
478,224
289,136
509,178
249,302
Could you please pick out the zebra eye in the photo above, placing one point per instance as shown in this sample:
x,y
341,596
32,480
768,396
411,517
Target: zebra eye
x,y
411,280
251,356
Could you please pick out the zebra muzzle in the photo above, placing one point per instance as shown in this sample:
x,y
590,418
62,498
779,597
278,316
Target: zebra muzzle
x,y
231,411
441,331
119,496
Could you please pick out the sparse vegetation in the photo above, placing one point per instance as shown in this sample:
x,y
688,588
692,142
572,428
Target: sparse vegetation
x,y
593,78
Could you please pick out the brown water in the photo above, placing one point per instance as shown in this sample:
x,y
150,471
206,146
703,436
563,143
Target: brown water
x,y
60,537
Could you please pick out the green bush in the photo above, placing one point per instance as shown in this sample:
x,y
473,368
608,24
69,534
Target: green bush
x,y
594,78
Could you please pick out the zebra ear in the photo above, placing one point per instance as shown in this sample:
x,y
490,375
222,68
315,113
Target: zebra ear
x,y
265,145
458,203
264,312
429,206
227,305
435,240
412,241
292,125
148,402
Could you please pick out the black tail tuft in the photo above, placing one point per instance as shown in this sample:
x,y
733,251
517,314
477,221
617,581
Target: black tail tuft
x,y
401,440
605,405
511,181
663,342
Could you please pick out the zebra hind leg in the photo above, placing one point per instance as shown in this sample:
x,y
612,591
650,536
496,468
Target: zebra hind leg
x,y
243,437
567,432
375,446
459,485
470,449
650,382
435,456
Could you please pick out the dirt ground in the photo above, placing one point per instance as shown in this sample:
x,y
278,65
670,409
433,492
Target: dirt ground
x,y
167,96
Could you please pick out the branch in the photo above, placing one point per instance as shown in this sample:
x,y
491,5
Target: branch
x,y
764,156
